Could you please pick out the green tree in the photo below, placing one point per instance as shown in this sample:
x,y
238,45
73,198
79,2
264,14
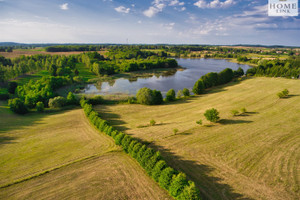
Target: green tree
x,y
166,177
57,102
17,106
170,96
71,99
144,96
186,92
177,185
40,106
179,94
198,87
212,115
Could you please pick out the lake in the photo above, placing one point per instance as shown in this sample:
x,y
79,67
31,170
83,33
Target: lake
x,y
194,69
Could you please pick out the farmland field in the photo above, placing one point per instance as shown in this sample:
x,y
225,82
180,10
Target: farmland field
x,y
61,155
255,155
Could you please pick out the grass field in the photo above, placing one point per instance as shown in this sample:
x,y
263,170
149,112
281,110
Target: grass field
x,y
252,156
60,155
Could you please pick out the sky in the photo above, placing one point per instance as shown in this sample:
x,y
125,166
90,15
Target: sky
x,y
214,22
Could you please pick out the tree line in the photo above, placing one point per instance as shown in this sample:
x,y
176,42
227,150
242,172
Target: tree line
x,y
168,178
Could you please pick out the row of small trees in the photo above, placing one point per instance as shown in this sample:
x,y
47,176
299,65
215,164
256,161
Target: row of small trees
x,y
213,79
168,178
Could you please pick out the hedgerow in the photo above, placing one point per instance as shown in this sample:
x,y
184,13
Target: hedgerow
x,y
174,182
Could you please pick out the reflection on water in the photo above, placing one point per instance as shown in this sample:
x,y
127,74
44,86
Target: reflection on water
x,y
176,79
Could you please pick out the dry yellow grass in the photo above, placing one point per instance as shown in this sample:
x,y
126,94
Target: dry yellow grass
x,y
254,156
77,158
111,176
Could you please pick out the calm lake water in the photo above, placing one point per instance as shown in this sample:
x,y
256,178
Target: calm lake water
x,y
195,68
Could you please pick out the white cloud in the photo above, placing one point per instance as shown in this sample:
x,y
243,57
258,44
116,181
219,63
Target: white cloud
x,y
122,9
214,4
168,26
176,3
64,6
158,6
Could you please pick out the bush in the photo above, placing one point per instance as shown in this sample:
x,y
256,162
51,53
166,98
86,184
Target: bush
x,y
175,130
140,153
198,87
212,115
17,106
156,171
157,98
136,149
144,96
146,156
170,96
199,122
179,94
152,122
234,112
71,99
57,102
239,72
131,146
243,110
225,76
40,106
149,97
119,138
186,92
177,185
150,163
283,94
12,86
96,100
190,192
166,177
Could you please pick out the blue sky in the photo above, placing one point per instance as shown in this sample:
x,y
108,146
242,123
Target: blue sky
x,y
145,21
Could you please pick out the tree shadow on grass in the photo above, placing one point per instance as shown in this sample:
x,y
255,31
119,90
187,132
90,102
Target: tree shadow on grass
x,y
231,121
211,187
112,118
10,121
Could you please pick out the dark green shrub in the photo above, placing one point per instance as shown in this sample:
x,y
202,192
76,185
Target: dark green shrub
x,y
96,100
157,98
17,106
210,79
71,99
125,142
136,149
114,134
12,86
40,106
57,102
150,163
144,96
109,130
156,171
170,96
131,145
152,122
198,87
212,115
186,92
147,155
87,109
177,184
119,138
140,153
225,76
239,72
190,192
166,177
